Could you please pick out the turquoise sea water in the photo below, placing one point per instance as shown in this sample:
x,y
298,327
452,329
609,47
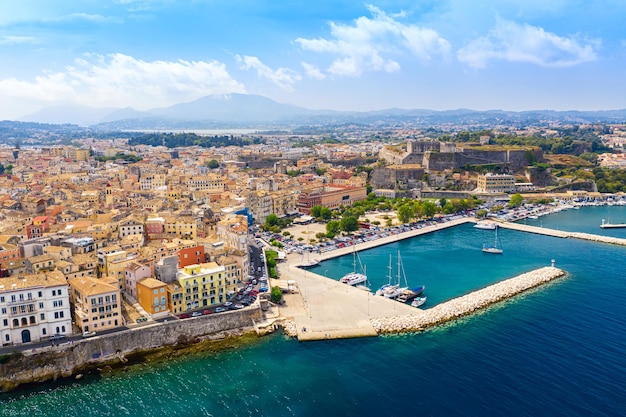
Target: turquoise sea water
x,y
557,351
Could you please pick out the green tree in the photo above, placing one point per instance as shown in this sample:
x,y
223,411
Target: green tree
x,y
271,220
429,209
516,200
405,213
276,296
326,213
316,211
349,224
212,164
333,227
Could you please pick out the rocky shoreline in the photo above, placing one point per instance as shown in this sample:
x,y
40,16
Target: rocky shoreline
x,y
467,304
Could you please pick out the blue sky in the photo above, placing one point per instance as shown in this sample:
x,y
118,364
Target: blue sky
x,y
343,55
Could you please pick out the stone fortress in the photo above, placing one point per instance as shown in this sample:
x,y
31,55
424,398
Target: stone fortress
x,y
420,157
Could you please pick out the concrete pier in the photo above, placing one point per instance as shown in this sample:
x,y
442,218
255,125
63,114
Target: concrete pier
x,y
422,319
563,234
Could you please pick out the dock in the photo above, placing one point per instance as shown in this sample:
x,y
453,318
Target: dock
x,y
563,234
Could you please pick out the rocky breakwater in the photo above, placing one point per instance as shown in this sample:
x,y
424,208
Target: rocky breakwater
x,y
599,238
467,304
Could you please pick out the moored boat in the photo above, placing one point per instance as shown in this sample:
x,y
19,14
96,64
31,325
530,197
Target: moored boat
x,y
409,294
354,278
493,249
418,301
485,225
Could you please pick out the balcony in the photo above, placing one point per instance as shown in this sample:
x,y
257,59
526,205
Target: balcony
x,y
18,302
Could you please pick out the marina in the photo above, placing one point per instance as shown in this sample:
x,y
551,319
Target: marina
x,y
324,308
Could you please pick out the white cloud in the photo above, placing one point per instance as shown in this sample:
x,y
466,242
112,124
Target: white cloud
x,y
120,80
87,17
365,44
17,40
312,71
514,42
282,77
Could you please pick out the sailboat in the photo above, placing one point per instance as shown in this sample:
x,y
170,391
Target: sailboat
x,y
393,291
388,285
308,263
354,278
493,249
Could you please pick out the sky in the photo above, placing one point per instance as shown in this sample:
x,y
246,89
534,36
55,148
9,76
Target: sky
x,y
339,55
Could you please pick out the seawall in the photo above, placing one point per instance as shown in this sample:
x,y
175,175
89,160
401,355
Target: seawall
x,y
69,359
467,304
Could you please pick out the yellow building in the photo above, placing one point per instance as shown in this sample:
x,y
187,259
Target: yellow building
x,y
175,297
184,227
115,263
97,303
203,285
152,296
495,183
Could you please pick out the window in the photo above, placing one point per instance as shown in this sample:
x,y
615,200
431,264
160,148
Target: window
x,y
40,305
16,322
43,331
59,292
42,317
40,294
54,293
5,322
4,310
2,299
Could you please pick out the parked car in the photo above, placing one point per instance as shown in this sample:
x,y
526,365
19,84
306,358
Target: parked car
x,y
220,310
141,319
196,314
89,334
205,312
183,316
58,336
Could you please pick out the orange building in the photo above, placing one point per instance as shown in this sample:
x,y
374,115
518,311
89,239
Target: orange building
x,y
191,256
152,296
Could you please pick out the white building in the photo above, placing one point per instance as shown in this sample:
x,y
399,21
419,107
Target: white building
x,y
34,307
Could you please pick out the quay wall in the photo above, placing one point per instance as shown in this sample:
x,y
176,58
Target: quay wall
x,y
467,304
69,359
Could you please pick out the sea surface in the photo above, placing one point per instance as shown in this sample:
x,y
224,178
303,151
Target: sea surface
x,y
559,350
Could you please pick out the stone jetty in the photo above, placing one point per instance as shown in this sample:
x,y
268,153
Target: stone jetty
x,y
467,304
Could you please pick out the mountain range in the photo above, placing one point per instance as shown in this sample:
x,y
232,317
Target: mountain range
x,y
246,110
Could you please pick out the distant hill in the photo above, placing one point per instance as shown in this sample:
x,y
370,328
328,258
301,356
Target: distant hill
x,y
247,110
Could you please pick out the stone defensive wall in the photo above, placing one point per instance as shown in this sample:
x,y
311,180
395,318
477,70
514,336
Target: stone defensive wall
x,y
515,159
467,304
70,358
